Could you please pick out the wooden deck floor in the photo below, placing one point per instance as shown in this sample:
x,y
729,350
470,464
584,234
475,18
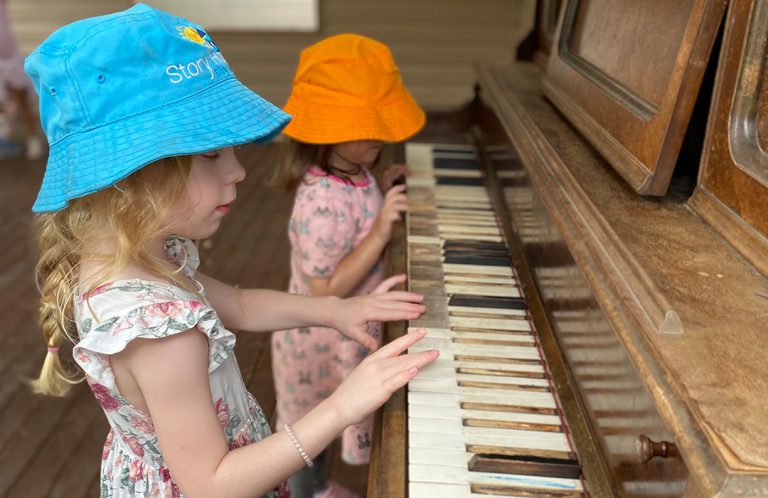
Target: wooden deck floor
x,y
51,447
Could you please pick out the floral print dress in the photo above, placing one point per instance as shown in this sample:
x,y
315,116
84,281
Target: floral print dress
x,y
330,218
113,315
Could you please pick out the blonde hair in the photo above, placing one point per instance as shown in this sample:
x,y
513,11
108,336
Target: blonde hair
x,y
130,214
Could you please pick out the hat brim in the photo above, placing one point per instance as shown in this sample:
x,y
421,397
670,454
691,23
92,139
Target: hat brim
x,y
318,123
223,115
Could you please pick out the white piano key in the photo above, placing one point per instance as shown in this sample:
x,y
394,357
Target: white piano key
x,y
472,192
416,181
436,433
440,490
503,380
456,413
440,371
494,336
449,374
434,333
459,173
490,323
504,367
444,213
453,458
463,279
423,239
449,475
474,290
483,395
466,216
449,210
448,230
486,221
471,236
433,371
486,311
454,398
448,348
465,200
451,363
449,268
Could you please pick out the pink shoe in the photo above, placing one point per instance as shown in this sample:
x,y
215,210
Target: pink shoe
x,y
335,490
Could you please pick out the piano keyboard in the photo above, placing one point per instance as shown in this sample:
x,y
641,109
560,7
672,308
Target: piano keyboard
x,y
484,418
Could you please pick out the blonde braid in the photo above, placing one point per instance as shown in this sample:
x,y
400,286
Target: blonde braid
x,y
129,217
55,271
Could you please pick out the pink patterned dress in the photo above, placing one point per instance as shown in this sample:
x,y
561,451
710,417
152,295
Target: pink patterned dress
x,y
330,218
116,313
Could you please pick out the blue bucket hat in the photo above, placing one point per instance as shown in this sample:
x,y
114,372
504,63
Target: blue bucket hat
x,y
120,91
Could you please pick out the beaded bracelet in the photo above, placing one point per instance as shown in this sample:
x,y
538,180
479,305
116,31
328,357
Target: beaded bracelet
x,y
299,448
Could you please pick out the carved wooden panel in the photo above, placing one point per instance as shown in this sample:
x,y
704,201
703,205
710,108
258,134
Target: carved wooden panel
x,y
626,73
732,192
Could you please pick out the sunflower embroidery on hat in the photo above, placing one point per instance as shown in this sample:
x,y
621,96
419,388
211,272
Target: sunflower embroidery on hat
x,y
196,35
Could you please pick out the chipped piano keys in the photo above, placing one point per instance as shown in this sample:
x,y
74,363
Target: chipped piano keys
x,y
484,418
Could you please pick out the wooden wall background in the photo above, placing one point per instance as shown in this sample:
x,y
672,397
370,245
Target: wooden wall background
x,y
435,42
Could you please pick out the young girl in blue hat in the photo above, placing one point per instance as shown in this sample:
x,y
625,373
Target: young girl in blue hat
x,y
142,111
347,100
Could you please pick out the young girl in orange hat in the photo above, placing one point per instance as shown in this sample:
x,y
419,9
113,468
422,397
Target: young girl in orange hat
x,y
347,100
130,182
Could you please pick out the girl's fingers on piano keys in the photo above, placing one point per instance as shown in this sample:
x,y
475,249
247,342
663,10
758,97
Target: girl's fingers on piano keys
x,y
402,343
405,367
403,296
388,283
379,375
389,311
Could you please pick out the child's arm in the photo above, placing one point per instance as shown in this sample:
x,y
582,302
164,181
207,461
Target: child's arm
x,y
354,267
172,376
261,310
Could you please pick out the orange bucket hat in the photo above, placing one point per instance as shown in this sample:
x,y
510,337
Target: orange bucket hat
x,y
347,87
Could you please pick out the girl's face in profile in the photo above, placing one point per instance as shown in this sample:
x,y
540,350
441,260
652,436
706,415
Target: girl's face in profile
x,y
357,153
211,190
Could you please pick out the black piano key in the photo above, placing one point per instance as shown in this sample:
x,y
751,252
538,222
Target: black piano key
x,y
457,253
507,303
475,245
468,154
475,249
452,151
455,163
466,182
477,260
526,465
450,254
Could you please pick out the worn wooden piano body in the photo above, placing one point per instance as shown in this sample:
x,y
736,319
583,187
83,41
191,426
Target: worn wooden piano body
x,y
633,197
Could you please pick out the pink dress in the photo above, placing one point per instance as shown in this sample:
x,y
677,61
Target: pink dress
x,y
330,218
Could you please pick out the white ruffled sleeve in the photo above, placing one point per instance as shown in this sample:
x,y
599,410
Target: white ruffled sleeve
x,y
127,310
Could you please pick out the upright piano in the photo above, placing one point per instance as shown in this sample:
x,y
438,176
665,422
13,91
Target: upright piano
x,y
592,243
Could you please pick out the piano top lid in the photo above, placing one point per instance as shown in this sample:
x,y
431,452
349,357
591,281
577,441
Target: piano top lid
x,y
710,383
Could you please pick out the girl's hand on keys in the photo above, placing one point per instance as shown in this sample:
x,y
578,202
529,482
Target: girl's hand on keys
x,y
395,202
351,315
382,373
